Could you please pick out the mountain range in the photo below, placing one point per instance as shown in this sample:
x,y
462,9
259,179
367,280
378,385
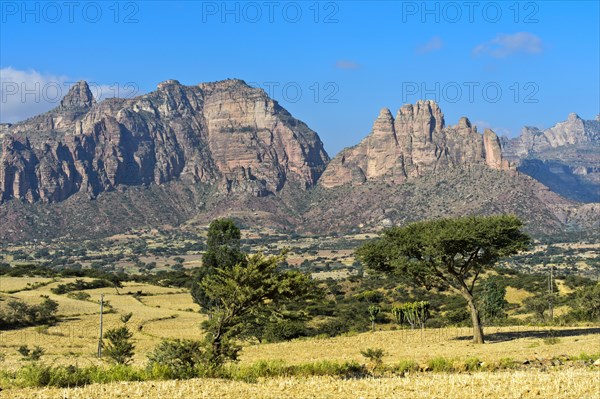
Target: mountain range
x,y
186,154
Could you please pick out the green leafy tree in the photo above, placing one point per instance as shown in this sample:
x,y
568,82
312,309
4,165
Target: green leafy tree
x,y
119,347
447,253
588,302
223,252
492,301
539,304
239,295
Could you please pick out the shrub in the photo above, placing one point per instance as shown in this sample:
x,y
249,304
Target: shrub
x,y
79,295
34,375
283,330
472,364
119,347
175,359
551,340
326,367
440,364
406,365
507,363
29,354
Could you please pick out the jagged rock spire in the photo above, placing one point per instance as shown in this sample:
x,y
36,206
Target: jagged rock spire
x,y
79,96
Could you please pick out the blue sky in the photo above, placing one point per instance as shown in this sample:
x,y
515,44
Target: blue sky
x,y
331,64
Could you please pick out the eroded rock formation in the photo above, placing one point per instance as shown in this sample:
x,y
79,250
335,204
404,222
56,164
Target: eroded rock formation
x,y
415,143
225,133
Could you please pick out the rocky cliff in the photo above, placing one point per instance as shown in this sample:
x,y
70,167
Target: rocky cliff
x,y
224,133
565,157
415,143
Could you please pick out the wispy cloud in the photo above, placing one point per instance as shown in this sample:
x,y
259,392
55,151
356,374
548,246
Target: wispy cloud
x,y
346,64
505,45
25,93
435,43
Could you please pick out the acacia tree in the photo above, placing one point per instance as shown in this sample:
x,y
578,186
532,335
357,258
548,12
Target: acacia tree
x,y
447,253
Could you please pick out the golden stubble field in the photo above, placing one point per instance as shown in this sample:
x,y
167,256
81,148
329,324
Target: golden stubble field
x,y
566,384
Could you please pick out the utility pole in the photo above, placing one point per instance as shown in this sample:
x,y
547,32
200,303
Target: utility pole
x,y
100,337
551,298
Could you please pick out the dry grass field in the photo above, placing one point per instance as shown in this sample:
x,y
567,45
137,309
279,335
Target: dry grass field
x,y
567,384
160,312
519,343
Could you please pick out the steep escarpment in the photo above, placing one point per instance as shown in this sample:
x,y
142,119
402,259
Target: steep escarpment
x,y
224,133
415,143
565,157
188,154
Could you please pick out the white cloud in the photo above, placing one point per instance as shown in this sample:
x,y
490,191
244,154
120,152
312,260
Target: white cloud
x,y
25,93
505,45
435,43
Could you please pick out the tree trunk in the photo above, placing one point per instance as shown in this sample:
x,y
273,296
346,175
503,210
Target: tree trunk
x,y
477,327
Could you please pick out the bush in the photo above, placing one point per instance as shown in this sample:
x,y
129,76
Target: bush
x,y
29,354
175,359
440,364
406,365
507,363
374,355
472,364
119,347
34,375
283,330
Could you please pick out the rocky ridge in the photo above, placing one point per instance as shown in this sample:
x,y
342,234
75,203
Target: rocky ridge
x,y
413,144
187,154
565,157
225,133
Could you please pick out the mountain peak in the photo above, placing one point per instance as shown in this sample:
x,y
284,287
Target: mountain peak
x,y
79,96
168,82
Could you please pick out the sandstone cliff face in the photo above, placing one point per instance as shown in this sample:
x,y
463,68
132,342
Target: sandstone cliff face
x,y
564,157
573,131
223,133
415,143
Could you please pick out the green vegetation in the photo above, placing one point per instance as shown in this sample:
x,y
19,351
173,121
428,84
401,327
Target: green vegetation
x,y
20,314
118,346
421,275
37,374
448,253
239,293
414,313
